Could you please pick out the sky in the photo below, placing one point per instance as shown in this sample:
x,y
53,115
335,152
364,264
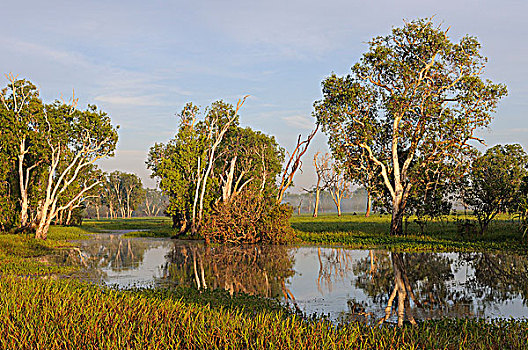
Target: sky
x,y
141,61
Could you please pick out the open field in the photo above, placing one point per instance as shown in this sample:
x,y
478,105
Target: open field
x,y
356,231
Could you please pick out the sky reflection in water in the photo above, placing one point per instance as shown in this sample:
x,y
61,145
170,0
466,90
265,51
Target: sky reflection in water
x,y
342,283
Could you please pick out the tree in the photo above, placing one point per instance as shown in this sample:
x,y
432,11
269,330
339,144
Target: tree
x,y
213,165
180,165
322,167
49,153
432,196
7,199
74,198
337,185
414,99
22,115
133,192
294,163
494,182
155,202
76,140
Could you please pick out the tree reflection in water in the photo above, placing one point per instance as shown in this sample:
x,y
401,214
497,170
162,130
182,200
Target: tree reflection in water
x,y
410,286
114,252
498,277
109,252
258,270
334,264
391,286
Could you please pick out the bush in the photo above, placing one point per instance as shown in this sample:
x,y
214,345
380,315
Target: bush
x,y
249,218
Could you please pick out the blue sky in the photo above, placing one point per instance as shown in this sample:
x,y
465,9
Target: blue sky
x,y
141,61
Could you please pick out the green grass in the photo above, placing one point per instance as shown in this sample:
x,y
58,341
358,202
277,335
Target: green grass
x,y
150,227
356,231
23,255
49,314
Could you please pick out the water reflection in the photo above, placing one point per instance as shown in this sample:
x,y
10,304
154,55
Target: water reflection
x,y
411,286
259,270
368,285
115,260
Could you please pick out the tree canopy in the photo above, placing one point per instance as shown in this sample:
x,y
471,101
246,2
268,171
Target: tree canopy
x,y
213,162
494,182
48,153
411,105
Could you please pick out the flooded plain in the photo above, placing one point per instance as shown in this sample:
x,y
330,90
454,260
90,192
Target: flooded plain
x,y
342,283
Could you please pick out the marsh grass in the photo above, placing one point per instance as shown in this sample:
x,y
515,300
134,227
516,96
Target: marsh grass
x,y
356,231
23,255
50,314
149,226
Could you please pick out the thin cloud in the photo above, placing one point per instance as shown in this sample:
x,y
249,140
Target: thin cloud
x,y
145,100
299,121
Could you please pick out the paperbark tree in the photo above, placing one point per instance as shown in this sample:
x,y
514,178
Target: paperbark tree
x,y
228,160
337,185
414,99
23,121
218,124
155,202
322,167
76,139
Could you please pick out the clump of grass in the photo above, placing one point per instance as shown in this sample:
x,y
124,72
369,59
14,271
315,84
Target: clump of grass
x,y
218,299
59,314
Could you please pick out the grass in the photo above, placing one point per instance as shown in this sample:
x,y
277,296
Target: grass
x,y
57,314
23,255
150,227
356,231
50,314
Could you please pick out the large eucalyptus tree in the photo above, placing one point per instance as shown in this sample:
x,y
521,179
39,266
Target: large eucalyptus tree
x,y
411,105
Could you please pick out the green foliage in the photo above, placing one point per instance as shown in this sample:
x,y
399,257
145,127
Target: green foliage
x,y
47,152
176,164
494,182
245,162
410,106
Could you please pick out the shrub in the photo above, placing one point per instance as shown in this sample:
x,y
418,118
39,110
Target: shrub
x,y
249,218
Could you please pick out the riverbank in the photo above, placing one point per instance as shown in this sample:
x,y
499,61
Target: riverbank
x,y
56,313
451,234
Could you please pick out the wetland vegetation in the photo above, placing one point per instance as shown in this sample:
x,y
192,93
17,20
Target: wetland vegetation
x,y
33,309
401,127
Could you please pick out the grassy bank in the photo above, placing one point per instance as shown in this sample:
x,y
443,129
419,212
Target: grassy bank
x,y
23,255
59,314
356,231
139,227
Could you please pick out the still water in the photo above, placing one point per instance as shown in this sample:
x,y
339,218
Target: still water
x,y
343,284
